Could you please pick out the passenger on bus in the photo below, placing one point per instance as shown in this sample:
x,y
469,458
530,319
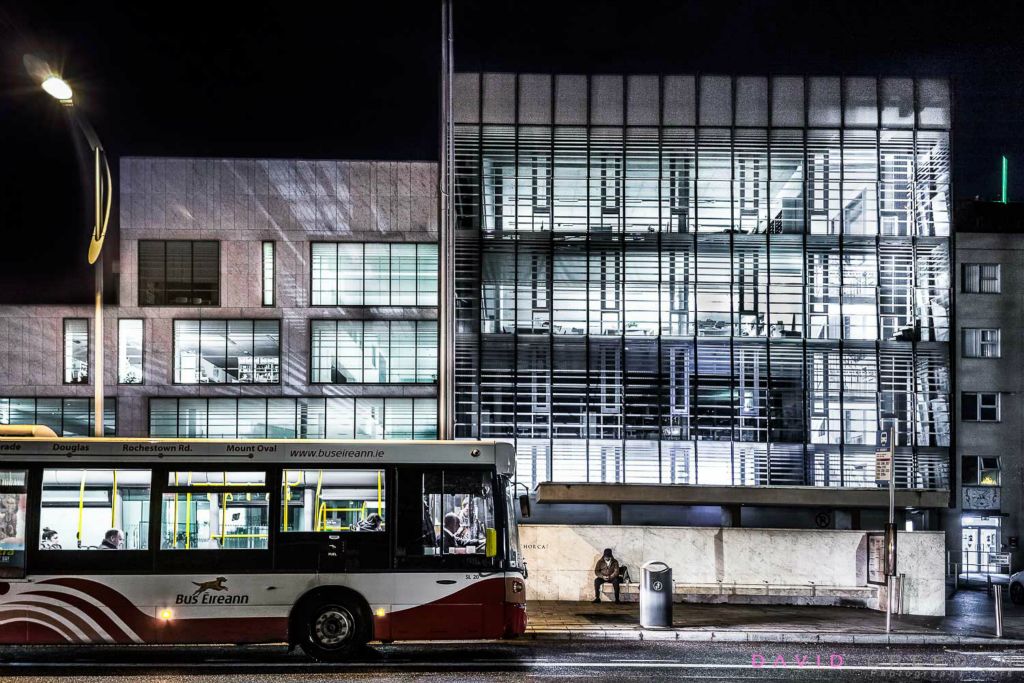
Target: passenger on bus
x,y
372,522
452,527
51,540
112,540
470,526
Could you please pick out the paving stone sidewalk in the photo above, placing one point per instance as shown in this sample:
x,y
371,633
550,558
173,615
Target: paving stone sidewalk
x,y
967,622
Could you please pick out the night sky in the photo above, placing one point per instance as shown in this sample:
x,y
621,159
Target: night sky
x,y
352,80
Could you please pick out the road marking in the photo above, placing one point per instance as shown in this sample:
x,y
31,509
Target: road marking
x,y
526,663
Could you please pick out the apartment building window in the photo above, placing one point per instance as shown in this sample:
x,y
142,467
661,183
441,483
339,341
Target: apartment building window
x,y
179,273
980,342
65,416
979,407
356,274
981,278
979,470
397,351
268,273
227,351
129,351
76,351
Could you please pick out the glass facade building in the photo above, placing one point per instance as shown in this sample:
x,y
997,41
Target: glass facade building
x,y
704,279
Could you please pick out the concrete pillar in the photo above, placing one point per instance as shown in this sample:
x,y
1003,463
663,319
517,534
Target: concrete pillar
x,y
731,516
842,519
615,514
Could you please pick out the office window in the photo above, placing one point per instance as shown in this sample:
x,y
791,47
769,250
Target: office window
x,y
129,351
76,351
376,274
981,278
979,407
179,273
227,351
80,509
354,351
294,418
980,342
268,273
979,470
65,416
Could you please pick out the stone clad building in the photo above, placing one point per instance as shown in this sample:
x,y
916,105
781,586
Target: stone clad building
x,y
229,322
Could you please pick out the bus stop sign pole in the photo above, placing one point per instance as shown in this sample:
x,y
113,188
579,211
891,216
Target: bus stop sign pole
x,y
885,473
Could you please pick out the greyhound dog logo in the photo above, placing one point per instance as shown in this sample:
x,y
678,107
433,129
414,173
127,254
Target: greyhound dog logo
x,y
211,585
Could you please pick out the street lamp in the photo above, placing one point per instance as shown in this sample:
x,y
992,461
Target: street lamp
x,y
58,88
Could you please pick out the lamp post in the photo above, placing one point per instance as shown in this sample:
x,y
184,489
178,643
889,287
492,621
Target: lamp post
x,y
58,88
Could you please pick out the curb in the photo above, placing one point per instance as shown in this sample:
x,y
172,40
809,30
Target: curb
x,y
769,637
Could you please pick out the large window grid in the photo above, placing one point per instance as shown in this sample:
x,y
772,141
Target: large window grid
x,y
294,418
373,274
65,416
179,273
373,352
227,351
828,241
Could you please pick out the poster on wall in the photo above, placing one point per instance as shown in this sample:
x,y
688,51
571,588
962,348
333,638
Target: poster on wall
x,y
876,558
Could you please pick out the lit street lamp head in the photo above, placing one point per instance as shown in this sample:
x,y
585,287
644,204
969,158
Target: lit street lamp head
x,y
58,88
45,75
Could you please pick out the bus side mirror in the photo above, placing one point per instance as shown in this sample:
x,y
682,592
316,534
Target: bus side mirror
x,y
490,542
524,506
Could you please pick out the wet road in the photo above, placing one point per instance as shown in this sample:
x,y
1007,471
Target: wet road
x,y
556,660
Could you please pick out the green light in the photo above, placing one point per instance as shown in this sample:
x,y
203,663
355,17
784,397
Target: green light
x,y
1005,166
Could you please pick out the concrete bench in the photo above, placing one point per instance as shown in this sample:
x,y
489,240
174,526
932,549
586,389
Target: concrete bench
x,y
758,594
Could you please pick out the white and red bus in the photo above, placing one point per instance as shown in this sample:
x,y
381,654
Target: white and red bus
x,y
322,544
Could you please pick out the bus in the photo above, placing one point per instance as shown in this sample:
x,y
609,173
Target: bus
x,y
325,545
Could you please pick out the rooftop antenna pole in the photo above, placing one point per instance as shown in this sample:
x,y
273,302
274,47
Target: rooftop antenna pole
x,y
1006,165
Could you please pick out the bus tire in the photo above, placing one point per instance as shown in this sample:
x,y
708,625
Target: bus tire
x,y
332,628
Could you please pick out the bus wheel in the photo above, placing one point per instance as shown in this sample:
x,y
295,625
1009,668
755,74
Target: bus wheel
x,y
333,631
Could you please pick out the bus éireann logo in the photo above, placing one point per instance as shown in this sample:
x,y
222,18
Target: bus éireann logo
x,y
209,593
211,585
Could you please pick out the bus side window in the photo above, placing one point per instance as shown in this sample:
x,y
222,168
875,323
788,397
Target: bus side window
x,y
13,503
223,510
95,509
333,500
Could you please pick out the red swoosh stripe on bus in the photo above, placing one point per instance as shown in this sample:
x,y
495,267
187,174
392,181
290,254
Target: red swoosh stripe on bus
x,y
116,633
125,609
92,634
194,630
19,623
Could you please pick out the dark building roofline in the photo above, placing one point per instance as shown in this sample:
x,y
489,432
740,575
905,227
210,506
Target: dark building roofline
x,y
979,216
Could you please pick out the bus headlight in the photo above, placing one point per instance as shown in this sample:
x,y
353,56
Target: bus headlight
x,y
517,586
166,614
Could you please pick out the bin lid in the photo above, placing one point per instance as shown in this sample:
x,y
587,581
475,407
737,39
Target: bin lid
x,y
655,566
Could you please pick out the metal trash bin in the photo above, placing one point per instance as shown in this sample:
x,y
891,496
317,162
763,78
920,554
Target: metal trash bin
x,y
656,595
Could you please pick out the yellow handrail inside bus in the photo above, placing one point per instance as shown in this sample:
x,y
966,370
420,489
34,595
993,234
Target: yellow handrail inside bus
x,y
188,514
288,494
224,498
113,504
322,515
81,507
188,518
316,498
380,492
174,537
